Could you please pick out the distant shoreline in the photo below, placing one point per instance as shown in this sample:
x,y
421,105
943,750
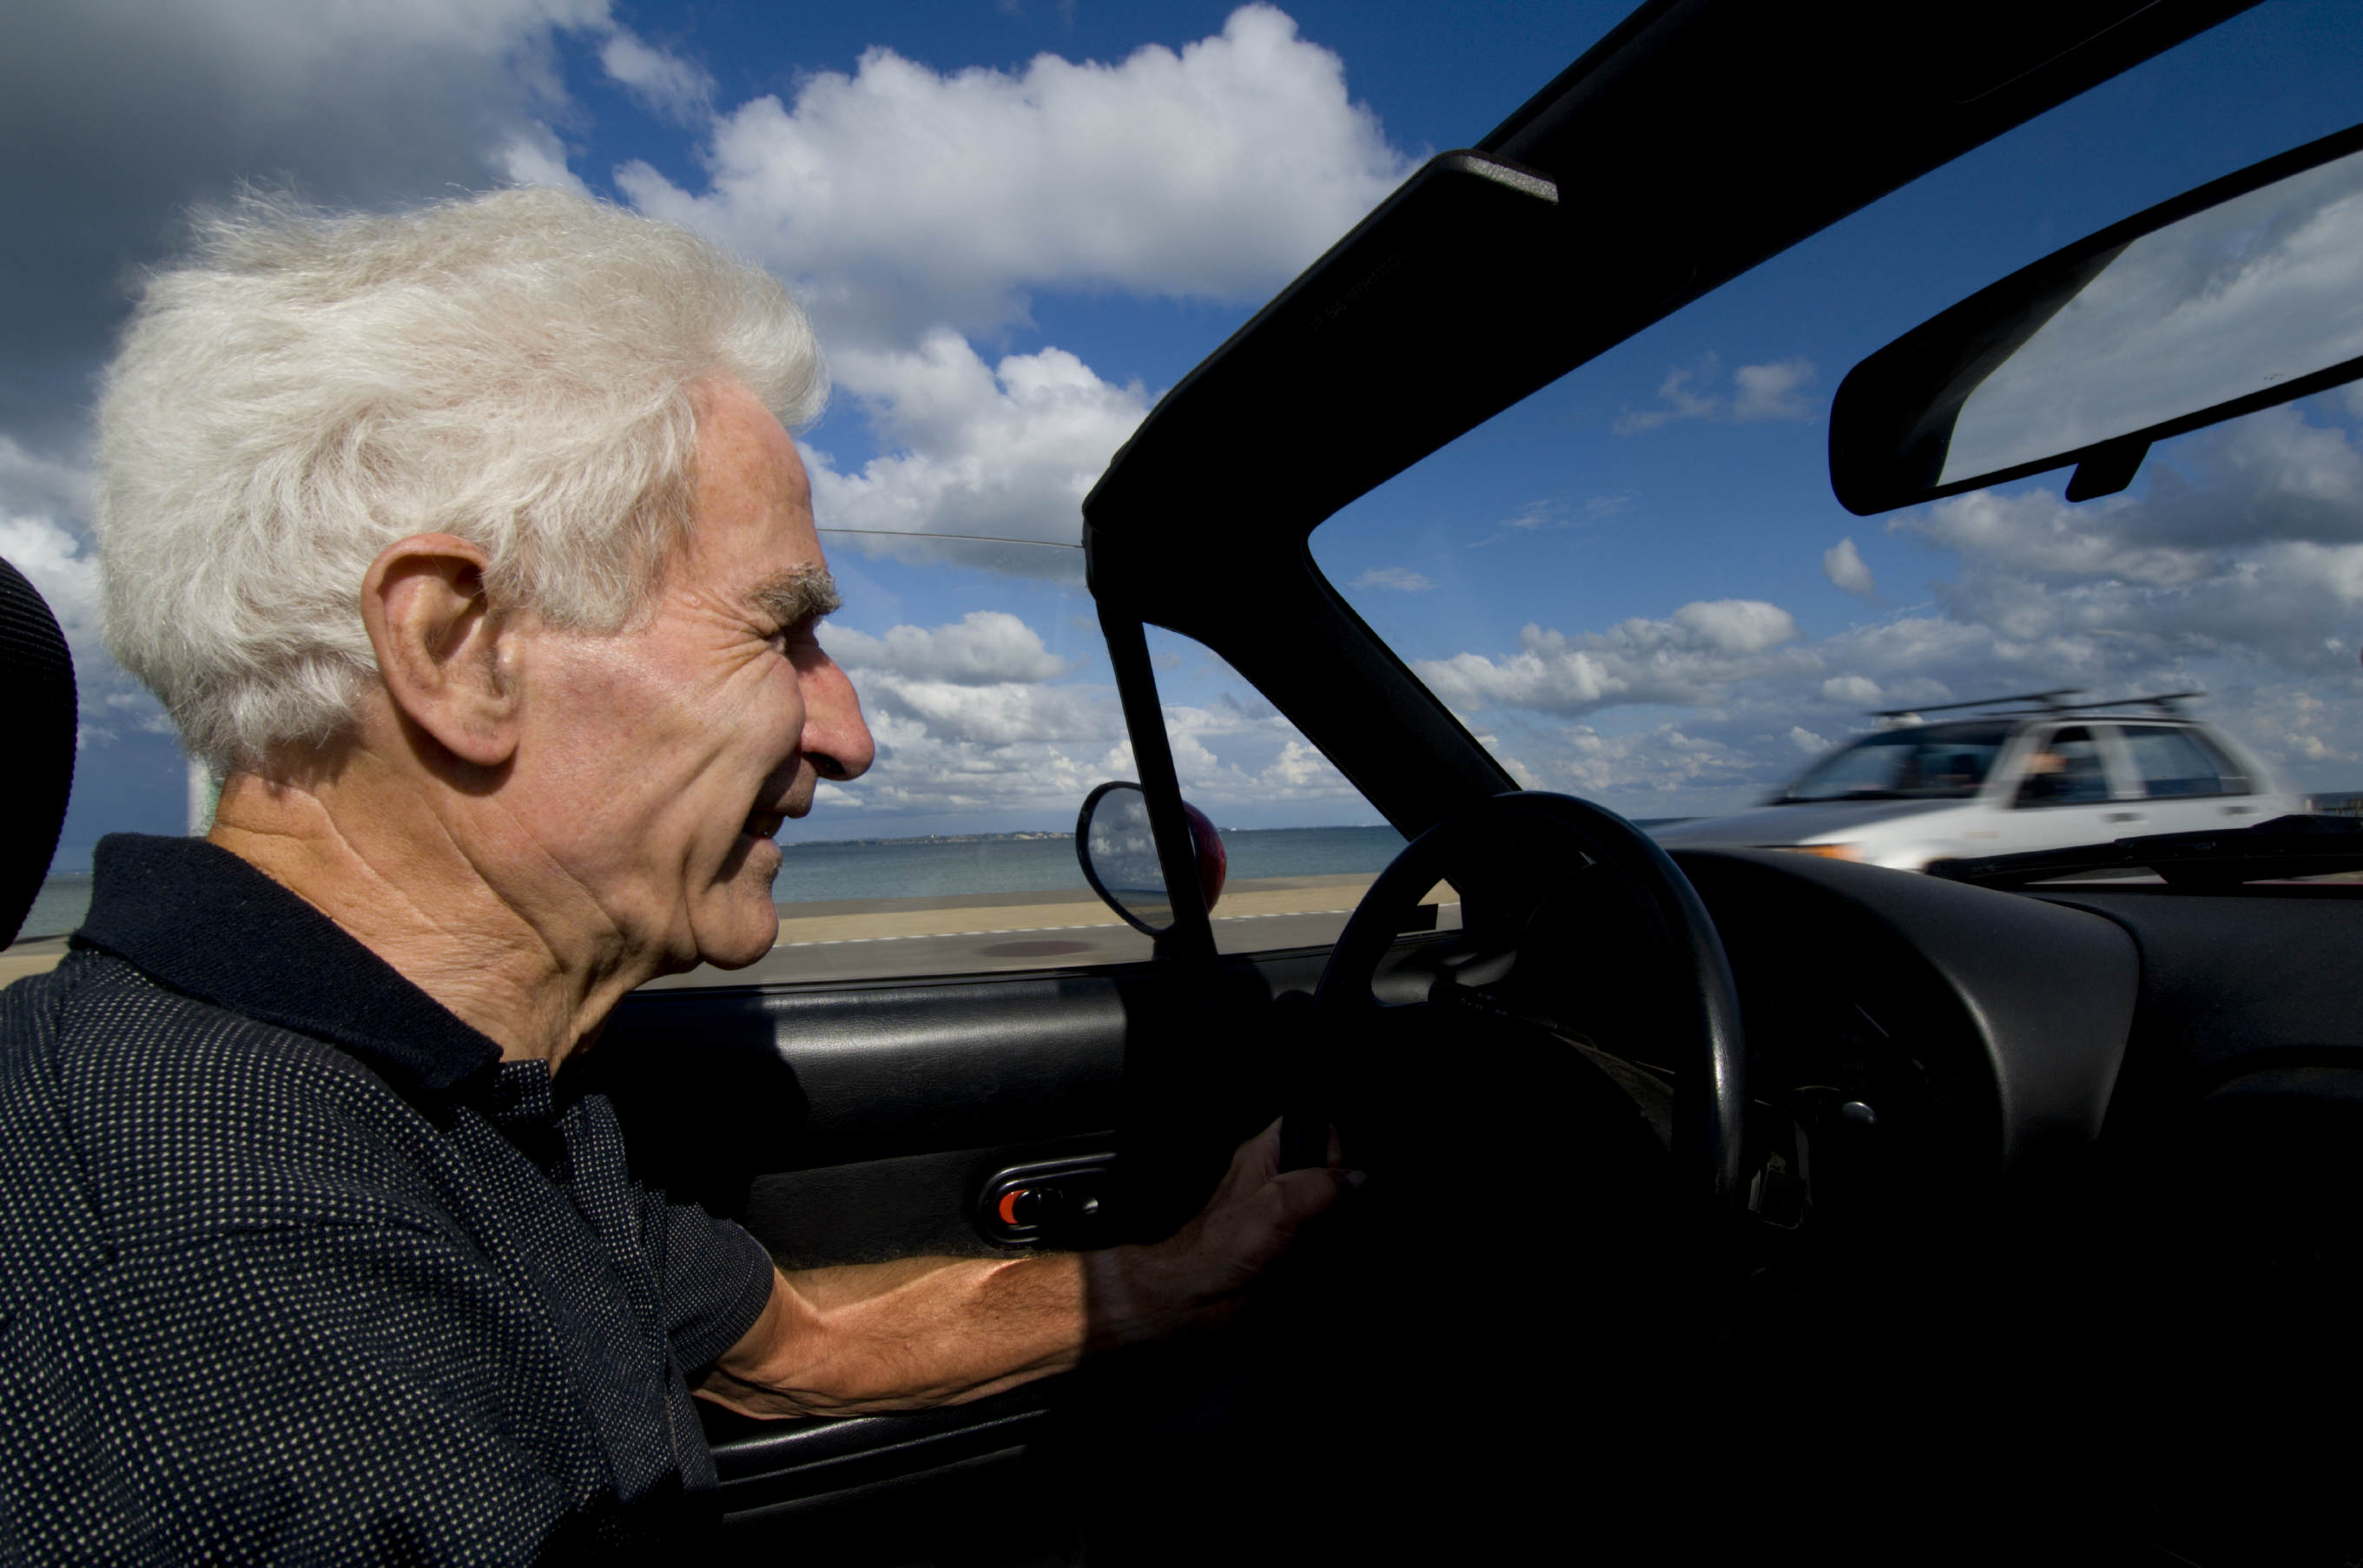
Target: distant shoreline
x,y
1024,835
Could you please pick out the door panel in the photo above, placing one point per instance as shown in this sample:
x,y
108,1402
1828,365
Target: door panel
x,y
861,1123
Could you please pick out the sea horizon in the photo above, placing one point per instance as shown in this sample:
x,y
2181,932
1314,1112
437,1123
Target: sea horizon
x,y
1022,860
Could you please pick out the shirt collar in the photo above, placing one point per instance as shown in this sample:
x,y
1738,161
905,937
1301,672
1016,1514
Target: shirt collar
x,y
204,923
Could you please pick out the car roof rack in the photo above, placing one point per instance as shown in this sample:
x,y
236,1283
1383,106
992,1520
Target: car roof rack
x,y
2045,700
2167,702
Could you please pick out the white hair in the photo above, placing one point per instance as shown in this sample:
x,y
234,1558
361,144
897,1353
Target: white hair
x,y
523,369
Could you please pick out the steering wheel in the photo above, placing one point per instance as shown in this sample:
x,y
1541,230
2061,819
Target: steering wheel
x,y
1701,1010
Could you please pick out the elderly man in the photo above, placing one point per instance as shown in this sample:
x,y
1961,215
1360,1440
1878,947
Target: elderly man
x,y
470,542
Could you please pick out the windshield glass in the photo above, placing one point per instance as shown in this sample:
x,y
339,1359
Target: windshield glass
x,y
1927,762
1636,586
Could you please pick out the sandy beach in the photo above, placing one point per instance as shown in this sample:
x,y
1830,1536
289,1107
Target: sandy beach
x,y
969,934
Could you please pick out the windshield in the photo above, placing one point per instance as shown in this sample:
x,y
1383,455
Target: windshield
x,y
1637,588
1927,762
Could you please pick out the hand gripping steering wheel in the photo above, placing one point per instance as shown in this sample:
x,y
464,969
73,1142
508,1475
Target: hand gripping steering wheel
x,y
1701,1009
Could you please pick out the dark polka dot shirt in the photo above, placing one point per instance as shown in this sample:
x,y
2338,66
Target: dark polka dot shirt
x,y
291,1269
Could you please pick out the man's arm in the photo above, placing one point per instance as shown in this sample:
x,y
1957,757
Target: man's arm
x,y
901,1336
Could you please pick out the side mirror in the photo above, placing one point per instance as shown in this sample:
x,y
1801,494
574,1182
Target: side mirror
x,y
2244,293
1119,853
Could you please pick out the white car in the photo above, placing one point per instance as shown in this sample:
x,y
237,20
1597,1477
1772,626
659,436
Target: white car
x,y
2048,777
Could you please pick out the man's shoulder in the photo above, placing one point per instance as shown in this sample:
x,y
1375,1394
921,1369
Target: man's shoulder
x,y
124,1091
115,1042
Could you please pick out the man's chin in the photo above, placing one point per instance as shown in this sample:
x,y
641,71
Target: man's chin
x,y
741,922
744,937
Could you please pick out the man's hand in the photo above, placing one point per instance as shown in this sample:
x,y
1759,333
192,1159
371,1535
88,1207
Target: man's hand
x,y
929,1332
1200,1275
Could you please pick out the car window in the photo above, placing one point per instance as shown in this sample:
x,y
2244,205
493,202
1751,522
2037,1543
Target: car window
x,y
2171,761
1926,762
2067,769
1302,842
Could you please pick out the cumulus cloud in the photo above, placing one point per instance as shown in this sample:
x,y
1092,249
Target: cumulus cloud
x,y
63,567
1770,390
1843,565
1399,580
657,80
987,648
56,564
899,198
1663,761
1229,755
1685,659
46,486
1006,451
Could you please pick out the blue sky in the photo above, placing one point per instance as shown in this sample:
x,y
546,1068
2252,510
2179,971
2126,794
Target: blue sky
x,y
1017,224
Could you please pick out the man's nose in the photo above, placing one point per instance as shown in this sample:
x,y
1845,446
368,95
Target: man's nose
x,y
835,738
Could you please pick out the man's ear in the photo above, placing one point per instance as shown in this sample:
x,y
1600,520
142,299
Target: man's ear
x,y
442,651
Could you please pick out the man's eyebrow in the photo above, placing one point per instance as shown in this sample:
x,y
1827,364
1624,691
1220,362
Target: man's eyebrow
x,y
792,598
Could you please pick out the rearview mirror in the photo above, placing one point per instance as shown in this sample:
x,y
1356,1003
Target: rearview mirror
x,y
1118,850
2241,294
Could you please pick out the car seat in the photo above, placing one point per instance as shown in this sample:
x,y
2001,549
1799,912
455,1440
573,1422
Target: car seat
x,y
40,678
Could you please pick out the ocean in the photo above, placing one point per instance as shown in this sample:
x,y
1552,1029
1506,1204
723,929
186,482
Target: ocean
x,y
1041,863
59,907
923,867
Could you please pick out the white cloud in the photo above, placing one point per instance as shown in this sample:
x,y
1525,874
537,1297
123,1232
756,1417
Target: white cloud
x,y
32,483
1681,659
1006,451
532,154
967,721
64,570
1843,565
987,648
909,207
1681,401
660,82
1004,715
1769,390
1398,579
2037,534
899,198
55,562
1661,762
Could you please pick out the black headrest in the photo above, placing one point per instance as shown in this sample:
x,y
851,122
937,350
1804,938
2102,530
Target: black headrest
x,y
36,673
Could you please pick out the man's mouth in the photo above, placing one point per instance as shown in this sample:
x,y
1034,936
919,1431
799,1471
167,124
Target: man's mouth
x,y
763,825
